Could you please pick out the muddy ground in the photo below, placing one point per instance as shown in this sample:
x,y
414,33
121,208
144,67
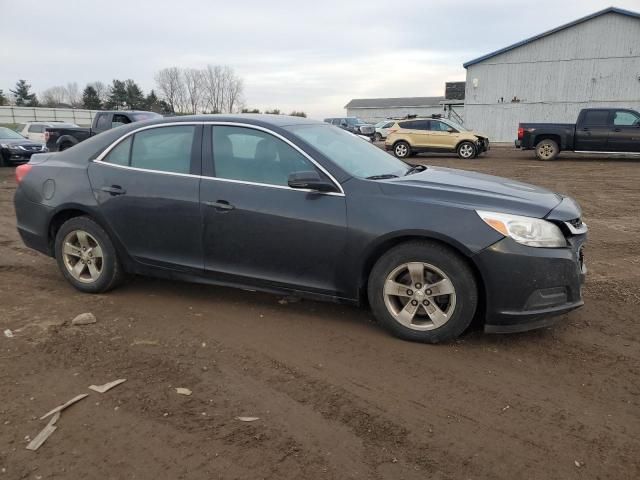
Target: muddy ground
x,y
336,397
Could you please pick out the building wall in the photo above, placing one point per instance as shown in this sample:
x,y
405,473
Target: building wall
x,y
14,115
595,63
374,115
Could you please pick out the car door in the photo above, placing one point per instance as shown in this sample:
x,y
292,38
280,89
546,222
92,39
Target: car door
x,y
421,135
440,136
258,230
625,132
147,188
593,132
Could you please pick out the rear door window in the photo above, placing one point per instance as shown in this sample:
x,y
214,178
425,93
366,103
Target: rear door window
x,y
437,126
36,128
596,117
119,120
102,121
120,153
166,149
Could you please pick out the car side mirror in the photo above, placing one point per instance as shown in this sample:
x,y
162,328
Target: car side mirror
x,y
310,180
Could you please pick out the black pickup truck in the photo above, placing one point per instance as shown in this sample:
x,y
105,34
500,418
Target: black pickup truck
x,y
61,138
599,130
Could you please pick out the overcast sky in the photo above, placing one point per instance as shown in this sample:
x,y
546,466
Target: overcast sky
x,y
304,55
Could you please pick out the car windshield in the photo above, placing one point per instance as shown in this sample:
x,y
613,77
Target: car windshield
x,y
355,121
9,134
455,125
351,153
381,124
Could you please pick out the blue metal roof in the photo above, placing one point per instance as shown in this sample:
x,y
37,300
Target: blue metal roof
x,y
621,11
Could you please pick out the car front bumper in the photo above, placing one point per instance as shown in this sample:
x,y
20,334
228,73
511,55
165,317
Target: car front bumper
x,y
528,288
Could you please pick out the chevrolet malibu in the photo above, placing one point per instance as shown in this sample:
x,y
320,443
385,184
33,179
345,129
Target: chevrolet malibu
x,y
289,205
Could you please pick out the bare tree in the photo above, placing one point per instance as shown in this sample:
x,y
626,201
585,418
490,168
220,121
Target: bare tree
x,y
193,83
235,89
54,96
101,90
73,94
171,87
212,83
223,89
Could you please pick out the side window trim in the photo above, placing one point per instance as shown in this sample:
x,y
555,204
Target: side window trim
x,y
202,151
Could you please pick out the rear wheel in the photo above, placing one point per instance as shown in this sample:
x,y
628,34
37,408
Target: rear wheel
x,y
466,150
402,149
65,146
547,149
86,256
423,291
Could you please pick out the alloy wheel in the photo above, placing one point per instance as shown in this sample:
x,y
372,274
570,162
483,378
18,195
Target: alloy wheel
x,y
466,151
546,151
402,150
82,255
419,296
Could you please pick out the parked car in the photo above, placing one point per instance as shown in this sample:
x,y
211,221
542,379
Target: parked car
x,y
35,130
602,130
353,125
61,137
434,134
382,129
14,148
293,206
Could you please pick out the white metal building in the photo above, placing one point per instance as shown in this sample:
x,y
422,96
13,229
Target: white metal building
x,y
376,109
591,62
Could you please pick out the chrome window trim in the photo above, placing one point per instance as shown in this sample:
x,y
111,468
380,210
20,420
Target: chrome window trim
x,y
100,158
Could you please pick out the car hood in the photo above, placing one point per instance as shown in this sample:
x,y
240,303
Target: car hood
x,y
20,142
474,190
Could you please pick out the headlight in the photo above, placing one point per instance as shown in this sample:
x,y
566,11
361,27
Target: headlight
x,y
530,231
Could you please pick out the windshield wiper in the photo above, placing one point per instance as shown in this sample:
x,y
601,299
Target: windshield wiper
x,y
382,177
415,169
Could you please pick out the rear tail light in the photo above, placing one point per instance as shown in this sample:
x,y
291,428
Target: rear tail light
x,y
520,133
22,170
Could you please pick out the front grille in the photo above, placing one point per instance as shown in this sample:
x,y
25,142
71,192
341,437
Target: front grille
x,y
32,148
366,130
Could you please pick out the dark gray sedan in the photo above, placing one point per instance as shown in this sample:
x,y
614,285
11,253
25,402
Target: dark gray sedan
x,y
290,205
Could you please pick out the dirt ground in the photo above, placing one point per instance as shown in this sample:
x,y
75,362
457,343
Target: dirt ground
x,y
336,397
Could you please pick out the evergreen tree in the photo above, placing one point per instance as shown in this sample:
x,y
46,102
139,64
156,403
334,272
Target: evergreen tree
x,y
117,96
250,110
134,97
3,98
24,97
90,98
298,114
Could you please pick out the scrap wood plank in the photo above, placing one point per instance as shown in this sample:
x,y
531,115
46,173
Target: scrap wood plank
x,y
107,386
44,433
62,407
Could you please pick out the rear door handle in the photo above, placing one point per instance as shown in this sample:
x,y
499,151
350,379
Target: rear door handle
x,y
617,129
114,190
220,205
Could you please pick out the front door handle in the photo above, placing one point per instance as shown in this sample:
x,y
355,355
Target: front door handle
x,y
114,190
220,205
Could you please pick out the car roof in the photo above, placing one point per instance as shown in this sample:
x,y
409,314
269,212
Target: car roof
x,y
263,119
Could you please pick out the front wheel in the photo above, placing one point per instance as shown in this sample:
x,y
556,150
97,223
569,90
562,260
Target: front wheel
x,y
377,137
402,150
466,150
547,149
423,291
86,256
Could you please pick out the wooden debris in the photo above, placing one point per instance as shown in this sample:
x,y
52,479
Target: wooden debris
x,y
107,386
62,407
84,319
183,391
247,419
44,433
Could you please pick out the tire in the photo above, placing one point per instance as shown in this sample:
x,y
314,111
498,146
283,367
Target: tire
x,y
110,272
377,137
402,149
466,150
438,263
547,150
3,161
64,146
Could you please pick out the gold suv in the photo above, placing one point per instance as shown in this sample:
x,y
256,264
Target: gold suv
x,y
435,134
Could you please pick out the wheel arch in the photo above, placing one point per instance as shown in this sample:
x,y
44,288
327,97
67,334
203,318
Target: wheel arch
x,y
547,136
388,242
